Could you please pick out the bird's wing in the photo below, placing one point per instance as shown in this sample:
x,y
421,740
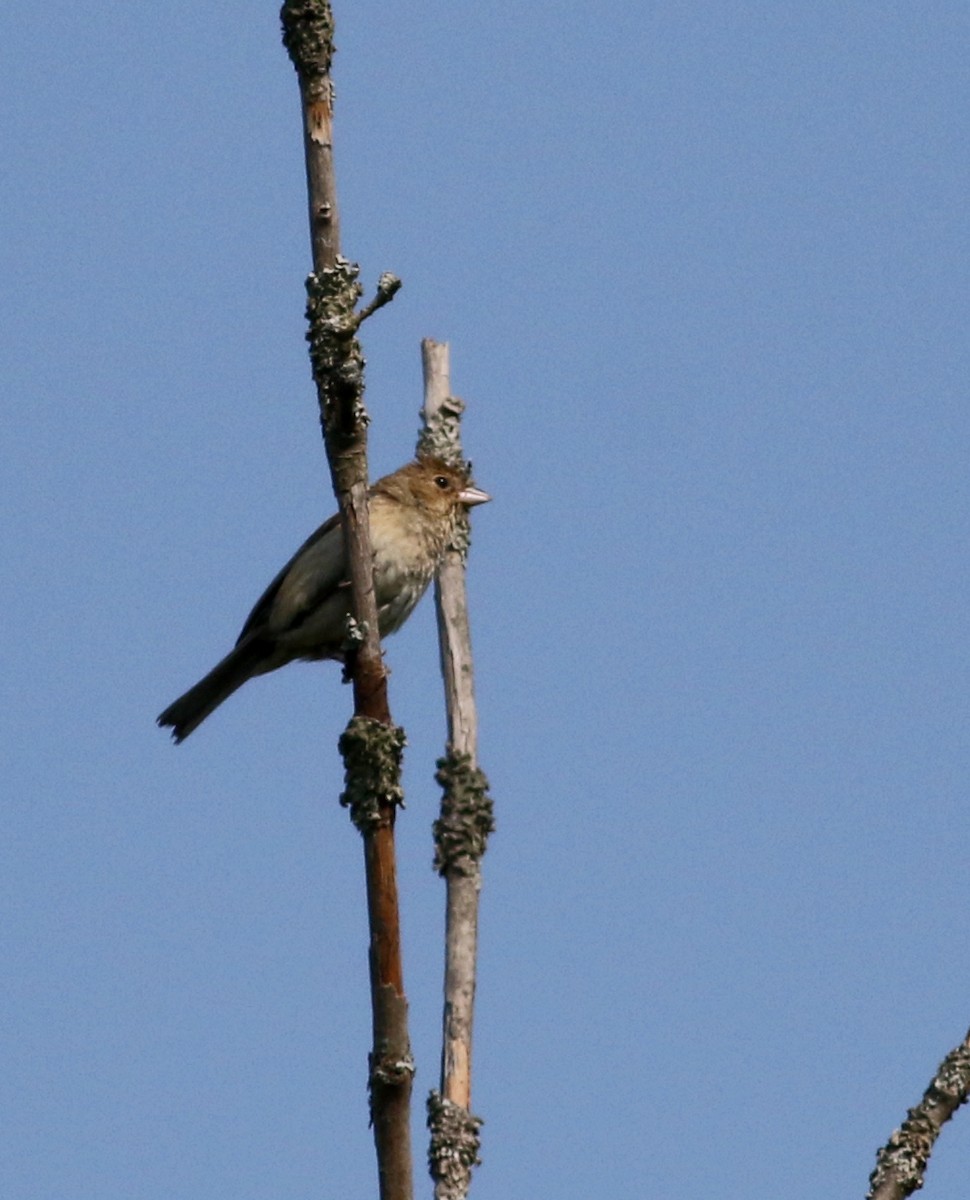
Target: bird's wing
x,y
316,570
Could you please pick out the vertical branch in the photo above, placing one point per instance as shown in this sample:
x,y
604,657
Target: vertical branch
x,y
371,745
462,830
900,1164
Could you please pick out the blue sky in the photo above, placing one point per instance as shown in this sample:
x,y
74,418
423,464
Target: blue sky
x,y
704,271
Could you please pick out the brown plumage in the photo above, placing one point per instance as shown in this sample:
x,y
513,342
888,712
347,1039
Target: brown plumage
x,y
303,612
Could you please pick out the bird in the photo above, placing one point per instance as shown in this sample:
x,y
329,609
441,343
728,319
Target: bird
x,y
414,515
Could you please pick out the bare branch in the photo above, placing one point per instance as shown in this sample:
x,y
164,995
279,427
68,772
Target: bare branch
x,y
901,1163
462,830
371,745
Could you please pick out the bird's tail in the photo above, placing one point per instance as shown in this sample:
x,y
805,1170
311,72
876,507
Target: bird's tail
x,y
251,657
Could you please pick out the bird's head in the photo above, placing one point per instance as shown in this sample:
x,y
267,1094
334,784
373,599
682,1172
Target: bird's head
x,y
436,486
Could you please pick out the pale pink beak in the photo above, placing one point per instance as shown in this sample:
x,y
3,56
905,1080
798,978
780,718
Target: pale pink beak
x,y
471,495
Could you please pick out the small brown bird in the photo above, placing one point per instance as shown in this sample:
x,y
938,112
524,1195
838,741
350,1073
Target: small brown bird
x,y
303,612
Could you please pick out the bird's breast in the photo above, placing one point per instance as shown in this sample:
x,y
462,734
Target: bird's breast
x,y
398,591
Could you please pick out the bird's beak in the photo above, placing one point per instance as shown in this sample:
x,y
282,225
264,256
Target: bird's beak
x,y
471,495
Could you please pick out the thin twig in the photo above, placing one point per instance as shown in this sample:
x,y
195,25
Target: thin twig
x,y
387,288
901,1163
465,822
371,745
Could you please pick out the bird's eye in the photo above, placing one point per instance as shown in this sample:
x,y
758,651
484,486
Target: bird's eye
x,y
442,481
